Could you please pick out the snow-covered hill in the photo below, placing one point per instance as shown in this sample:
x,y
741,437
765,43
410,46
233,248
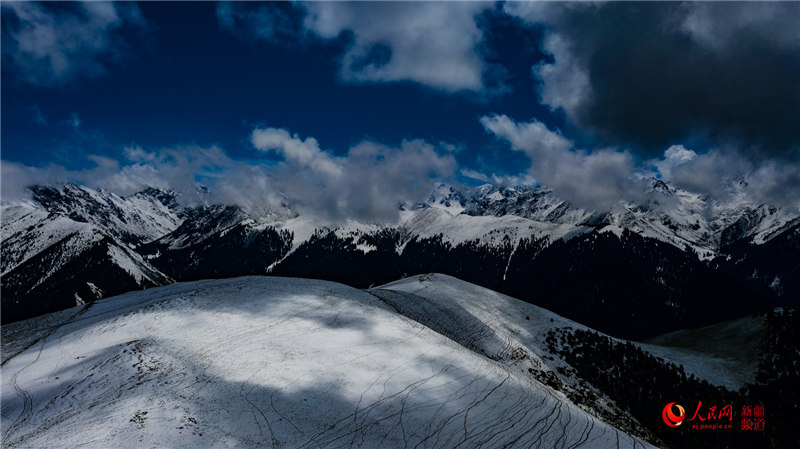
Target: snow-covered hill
x,y
516,333
255,362
616,380
510,331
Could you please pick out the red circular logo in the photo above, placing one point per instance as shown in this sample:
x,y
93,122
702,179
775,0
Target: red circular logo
x,y
671,418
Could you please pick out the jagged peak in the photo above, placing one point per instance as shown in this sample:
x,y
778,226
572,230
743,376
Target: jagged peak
x,y
658,185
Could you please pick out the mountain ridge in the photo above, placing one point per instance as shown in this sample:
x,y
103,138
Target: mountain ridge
x,y
492,228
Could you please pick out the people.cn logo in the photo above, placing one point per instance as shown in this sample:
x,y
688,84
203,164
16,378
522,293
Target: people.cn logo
x,y
670,417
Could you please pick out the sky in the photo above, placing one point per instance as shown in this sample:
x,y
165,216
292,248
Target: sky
x,y
345,109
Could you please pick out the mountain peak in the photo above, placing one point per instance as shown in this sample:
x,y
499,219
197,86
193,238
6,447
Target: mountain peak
x,y
446,197
657,185
167,197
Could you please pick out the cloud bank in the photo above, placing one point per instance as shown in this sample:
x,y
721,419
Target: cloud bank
x,y
590,180
368,183
654,76
704,95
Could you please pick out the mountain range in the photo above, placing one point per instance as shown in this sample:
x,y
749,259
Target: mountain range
x,y
635,270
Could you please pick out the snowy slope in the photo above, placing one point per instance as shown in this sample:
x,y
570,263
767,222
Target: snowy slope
x,y
516,334
479,318
51,261
724,354
502,328
28,230
73,271
255,362
205,224
487,229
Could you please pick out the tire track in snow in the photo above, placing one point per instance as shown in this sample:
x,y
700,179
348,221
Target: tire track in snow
x,y
27,404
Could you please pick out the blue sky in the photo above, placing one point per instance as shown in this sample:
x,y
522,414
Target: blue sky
x,y
584,98
191,81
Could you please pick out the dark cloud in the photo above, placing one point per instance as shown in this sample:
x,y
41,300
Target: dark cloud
x,y
651,75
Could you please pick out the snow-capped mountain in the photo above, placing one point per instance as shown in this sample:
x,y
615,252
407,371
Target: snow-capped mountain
x,y
56,212
73,244
140,218
499,237
672,215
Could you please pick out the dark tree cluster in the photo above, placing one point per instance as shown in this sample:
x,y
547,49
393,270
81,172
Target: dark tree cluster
x,y
779,376
238,252
772,268
628,286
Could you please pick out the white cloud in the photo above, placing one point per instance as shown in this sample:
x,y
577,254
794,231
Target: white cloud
x,y
51,47
565,82
591,180
674,156
532,138
367,183
474,174
302,153
16,177
434,43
